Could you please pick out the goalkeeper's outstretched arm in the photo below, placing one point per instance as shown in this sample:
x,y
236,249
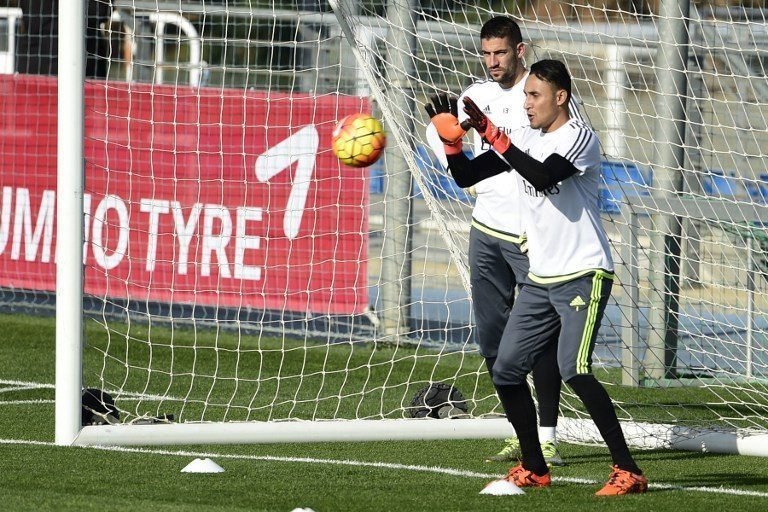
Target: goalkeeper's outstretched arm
x,y
542,175
468,172
442,112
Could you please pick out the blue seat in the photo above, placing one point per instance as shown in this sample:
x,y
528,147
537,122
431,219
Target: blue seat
x,y
376,177
608,200
758,190
716,183
627,176
619,180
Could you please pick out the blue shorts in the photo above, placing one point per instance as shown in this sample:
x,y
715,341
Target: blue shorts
x,y
497,267
576,307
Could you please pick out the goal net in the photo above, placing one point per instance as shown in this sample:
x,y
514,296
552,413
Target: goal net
x,y
239,282
675,95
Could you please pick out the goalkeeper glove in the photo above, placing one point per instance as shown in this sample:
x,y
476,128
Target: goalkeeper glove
x,y
442,112
480,122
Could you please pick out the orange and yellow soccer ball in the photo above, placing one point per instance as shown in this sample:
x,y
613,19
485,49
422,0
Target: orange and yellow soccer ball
x,y
358,140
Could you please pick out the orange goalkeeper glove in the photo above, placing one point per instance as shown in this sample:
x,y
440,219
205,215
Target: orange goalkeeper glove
x,y
480,122
442,111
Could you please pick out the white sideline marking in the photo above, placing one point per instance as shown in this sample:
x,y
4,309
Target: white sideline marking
x,y
27,402
18,385
384,465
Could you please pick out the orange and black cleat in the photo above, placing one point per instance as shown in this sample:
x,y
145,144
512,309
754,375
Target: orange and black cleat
x,y
623,482
521,477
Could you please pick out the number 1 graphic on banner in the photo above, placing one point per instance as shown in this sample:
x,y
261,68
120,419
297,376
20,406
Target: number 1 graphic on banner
x,y
300,147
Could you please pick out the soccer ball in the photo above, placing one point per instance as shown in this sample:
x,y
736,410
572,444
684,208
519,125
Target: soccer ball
x,y
358,140
438,400
98,408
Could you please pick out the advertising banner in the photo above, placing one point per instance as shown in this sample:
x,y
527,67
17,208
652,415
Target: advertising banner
x,y
211,197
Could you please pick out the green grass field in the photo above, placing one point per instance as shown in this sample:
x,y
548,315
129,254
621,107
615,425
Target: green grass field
x,y
402,476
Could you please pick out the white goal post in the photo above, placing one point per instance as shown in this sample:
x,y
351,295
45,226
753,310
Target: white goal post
x,y
226,280
69,249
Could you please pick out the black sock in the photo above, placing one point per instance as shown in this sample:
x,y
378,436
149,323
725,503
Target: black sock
x,y
521,413
547,384
600,408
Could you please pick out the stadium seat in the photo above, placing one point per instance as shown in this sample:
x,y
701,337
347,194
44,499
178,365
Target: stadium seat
x,y
620,180
376,176
758,189
716,183
623,173
609,200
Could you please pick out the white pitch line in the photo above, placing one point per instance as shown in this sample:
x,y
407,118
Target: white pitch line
x,y
384,465
125,395
26,385
27,402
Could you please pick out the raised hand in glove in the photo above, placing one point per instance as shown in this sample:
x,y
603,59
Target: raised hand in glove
x,y
442,112
480,122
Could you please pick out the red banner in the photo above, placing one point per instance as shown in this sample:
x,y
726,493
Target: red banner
x,y
195,196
